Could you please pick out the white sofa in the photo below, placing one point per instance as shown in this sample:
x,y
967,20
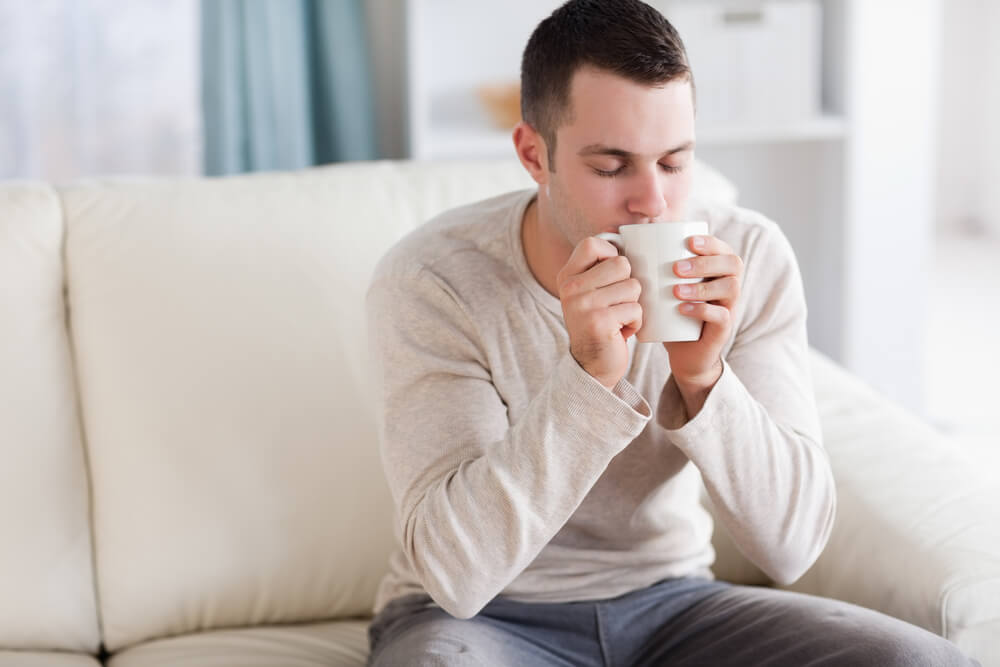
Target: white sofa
x,y
189,469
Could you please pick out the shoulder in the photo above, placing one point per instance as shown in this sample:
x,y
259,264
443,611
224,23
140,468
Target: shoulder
x,y
771,291
758,240
456,242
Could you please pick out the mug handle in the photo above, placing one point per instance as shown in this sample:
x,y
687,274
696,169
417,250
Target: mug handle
x,y
614,239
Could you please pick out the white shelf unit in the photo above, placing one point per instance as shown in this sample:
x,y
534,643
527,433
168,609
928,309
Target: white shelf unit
x,y
849,184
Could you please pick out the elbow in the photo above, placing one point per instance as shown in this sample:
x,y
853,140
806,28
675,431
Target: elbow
x,y
787,574
449,580
455,599
790,564
463,610
798,553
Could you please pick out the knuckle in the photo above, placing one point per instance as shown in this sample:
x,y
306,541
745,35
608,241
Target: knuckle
x,y
577,303
591,244
584,302
634,287
571,285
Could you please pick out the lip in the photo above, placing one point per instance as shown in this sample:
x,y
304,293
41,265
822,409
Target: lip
x,y
616,228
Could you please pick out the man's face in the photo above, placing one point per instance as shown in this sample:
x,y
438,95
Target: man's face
x,y
623,157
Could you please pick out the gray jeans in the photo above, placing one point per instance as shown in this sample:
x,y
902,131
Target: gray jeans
x,y
682,622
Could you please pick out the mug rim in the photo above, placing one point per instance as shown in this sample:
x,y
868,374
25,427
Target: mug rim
x,y
664,222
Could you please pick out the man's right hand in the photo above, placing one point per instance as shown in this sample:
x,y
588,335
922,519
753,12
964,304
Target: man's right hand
x,y
600,303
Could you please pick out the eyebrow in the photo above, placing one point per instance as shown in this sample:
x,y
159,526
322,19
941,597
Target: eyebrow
x,y
601,149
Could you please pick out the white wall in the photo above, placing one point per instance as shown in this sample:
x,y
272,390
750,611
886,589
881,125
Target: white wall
x,y
991,145
968,165
893,61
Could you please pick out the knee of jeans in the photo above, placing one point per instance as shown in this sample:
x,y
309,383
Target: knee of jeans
x,y
434,643
435,653
946,655
929,651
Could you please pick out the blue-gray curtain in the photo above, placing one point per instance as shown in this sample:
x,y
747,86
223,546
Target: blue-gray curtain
x,y
285,84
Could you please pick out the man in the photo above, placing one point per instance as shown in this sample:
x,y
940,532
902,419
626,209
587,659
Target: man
x,y
546,470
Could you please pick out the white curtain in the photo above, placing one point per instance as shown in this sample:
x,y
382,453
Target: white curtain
x,y
99,87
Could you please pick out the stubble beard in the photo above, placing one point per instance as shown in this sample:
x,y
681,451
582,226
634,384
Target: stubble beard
x,y
569,221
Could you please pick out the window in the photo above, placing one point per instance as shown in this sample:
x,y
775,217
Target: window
x,y
99,87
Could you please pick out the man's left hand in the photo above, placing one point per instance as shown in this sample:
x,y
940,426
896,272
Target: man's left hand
x,y
697,365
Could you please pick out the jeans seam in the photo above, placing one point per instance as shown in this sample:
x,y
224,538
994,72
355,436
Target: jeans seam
x,y
601,640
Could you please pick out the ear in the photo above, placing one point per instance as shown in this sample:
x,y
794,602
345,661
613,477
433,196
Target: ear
x,y
532,152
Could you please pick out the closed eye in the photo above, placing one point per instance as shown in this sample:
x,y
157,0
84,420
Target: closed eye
x,y
615,172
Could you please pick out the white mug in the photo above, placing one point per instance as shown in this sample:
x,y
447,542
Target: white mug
x,y
652,249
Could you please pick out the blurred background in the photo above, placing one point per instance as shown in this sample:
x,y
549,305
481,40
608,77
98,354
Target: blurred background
x,y
867,130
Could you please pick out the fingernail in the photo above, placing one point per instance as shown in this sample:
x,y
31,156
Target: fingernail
x,y
699,241
687,307
683,267
685,290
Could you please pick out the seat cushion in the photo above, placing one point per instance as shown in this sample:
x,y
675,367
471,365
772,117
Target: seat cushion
x,y
40,659
335,644
47,599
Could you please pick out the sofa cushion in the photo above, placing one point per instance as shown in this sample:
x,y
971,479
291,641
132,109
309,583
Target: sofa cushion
x,y
333,644
38,659
46,572
917,534
220,334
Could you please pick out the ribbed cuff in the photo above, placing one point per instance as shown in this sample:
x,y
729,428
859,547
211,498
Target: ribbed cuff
x,y
672,415
622,411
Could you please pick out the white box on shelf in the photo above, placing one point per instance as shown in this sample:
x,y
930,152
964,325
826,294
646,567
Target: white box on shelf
x,y
453,48
754,61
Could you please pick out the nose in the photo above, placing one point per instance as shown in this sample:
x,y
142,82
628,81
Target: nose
x,y
646,197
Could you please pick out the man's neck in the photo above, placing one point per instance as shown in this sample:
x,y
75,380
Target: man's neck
x,y
543,250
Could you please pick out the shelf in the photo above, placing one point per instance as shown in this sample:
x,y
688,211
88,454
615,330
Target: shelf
x,y
820,128
465,141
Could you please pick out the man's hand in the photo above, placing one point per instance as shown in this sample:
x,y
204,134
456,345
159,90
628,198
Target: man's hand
x,y
697,365
600,302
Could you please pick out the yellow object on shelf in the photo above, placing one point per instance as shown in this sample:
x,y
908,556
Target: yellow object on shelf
x,y
503,102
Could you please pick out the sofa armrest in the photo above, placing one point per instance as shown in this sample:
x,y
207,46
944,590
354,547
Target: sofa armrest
x,y
917,533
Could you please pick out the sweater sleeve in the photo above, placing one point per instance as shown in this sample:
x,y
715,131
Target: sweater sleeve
x,y
757,439
476,497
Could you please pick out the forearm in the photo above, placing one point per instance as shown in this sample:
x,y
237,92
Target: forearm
x,y
770,484
475,519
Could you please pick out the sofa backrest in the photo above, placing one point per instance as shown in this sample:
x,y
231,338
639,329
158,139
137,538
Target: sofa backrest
x,y
221,357
46,569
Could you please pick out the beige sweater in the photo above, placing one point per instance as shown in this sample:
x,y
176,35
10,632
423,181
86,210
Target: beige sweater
x,y
514,472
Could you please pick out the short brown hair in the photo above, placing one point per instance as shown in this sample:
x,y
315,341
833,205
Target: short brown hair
x,y
625,37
